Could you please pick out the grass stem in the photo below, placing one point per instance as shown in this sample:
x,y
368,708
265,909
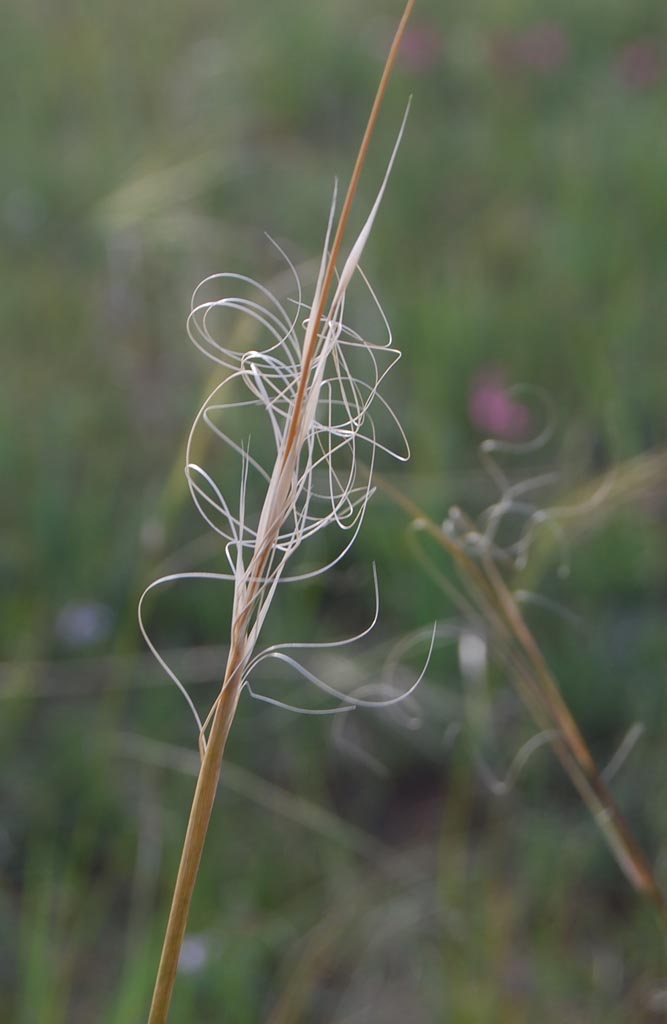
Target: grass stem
x,y
277,508
200,816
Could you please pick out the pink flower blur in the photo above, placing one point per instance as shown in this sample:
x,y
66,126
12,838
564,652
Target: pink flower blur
x,y
641,64
421,48
493,411
542,48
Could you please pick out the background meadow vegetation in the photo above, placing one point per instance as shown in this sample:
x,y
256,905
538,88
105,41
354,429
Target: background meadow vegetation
x,y
371,875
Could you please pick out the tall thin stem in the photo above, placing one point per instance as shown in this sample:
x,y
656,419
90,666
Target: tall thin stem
x,y
345,214
227,702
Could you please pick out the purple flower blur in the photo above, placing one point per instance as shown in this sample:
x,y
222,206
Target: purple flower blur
x,y
84,624
641,64
542,48
421,48
492,409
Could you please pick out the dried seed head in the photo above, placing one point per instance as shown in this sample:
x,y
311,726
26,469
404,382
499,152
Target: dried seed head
x,y
316,383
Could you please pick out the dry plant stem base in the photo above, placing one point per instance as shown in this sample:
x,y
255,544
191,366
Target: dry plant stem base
x,y
200,816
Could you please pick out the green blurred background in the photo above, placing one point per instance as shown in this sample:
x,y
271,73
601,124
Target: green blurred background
x,y
371,874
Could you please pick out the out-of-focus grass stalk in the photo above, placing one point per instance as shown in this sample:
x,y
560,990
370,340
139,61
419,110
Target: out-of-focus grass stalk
x,y
277,508
491,603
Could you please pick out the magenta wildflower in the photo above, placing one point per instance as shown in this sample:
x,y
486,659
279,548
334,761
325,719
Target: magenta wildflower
x,y
492,409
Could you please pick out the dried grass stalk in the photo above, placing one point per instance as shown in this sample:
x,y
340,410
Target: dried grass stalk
x,y
490,607
319,415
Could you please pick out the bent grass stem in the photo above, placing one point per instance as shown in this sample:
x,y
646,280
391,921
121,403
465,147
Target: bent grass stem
x,y
493,602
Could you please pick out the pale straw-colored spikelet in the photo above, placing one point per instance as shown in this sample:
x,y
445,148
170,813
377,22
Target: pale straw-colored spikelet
x,y
320,416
